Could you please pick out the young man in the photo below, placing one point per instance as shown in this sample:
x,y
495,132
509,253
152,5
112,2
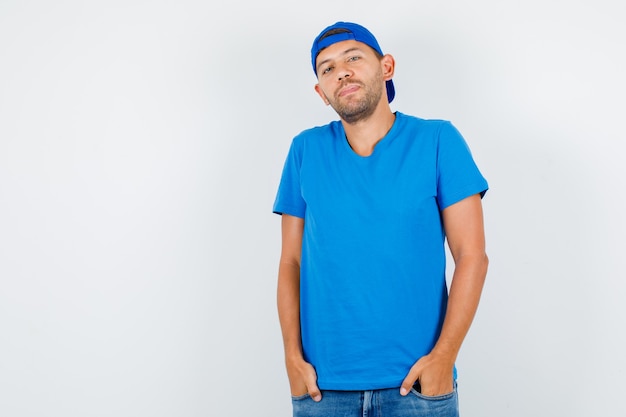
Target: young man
x,y
367,202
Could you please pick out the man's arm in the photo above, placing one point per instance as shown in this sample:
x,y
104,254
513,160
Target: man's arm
x,y
302,376
463,223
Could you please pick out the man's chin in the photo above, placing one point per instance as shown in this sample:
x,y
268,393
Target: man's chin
x,y
352,117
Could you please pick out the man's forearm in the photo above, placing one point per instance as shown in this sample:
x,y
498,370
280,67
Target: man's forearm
x,y
288,299
434,370
465,291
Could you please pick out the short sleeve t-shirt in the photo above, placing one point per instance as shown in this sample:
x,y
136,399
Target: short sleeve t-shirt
x,y
372,279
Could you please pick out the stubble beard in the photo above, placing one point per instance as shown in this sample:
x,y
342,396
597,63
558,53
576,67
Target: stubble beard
x,y
353,111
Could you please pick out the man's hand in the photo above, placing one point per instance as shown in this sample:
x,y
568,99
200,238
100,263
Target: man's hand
x,y
435,374
303,379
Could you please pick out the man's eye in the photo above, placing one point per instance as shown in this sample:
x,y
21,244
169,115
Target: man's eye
x,y
327,70
354,58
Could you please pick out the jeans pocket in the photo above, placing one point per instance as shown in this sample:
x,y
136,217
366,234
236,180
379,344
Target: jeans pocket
x,y
300,397
416,391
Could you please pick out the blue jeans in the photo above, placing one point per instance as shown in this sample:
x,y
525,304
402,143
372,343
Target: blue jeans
x,y
377,403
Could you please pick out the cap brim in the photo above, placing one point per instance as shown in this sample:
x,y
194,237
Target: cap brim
x,y
391,91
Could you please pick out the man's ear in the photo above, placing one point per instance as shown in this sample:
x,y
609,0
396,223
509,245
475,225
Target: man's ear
x,y
389,66
319,91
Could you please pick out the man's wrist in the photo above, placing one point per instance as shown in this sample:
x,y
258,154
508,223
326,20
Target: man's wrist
x,y
294,356
444,353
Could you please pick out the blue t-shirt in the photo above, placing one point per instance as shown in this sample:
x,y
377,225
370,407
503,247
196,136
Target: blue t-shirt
x,y
372,280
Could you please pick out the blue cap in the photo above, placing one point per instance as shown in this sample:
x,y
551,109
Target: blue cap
x,y
354,32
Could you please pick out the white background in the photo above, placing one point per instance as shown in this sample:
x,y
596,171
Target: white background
x,y
141,144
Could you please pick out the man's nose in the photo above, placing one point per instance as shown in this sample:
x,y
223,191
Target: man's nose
x,y
344,75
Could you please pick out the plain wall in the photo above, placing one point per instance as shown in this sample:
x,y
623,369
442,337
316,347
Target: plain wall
x,y
141,144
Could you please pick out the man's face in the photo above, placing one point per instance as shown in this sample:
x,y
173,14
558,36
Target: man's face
x,y
350,79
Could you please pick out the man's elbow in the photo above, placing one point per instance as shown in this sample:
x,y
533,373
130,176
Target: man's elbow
x,y
484,265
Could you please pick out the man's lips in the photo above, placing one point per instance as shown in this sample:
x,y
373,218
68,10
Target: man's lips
x,y
349,89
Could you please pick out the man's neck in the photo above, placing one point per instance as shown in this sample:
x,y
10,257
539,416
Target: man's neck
x,y
365,134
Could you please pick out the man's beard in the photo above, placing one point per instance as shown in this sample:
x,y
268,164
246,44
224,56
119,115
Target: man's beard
x,y
355,111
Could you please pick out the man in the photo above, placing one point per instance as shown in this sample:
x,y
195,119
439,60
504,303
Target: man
x,y
367,202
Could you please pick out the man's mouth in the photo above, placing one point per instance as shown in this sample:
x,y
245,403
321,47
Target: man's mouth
x,y
348,89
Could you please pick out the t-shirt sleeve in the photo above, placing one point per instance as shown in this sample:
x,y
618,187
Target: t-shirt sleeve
x,y
458,176
289,196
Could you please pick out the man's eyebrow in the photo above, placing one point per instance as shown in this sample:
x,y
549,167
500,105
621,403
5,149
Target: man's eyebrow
x,y
347,51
